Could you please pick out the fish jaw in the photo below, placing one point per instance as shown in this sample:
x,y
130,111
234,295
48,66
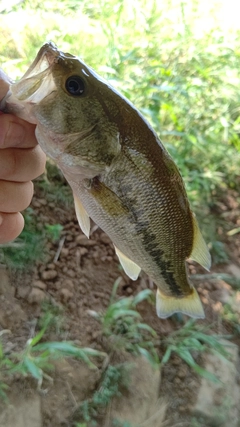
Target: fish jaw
x,y
34,86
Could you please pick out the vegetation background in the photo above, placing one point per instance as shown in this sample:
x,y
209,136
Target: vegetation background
x,y
178,62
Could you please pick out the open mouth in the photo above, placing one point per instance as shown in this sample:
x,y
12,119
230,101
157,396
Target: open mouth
x,y
38,81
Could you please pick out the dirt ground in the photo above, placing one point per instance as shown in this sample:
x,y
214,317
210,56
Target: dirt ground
x,y
77,275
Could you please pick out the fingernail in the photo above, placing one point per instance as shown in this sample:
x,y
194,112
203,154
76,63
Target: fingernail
x,y
14,135
1,219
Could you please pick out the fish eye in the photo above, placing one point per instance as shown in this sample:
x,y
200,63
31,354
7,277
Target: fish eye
x,y
75,85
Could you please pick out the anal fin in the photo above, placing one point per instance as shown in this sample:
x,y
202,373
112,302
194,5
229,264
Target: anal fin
x,y
190,305
200,252
82,216
130,268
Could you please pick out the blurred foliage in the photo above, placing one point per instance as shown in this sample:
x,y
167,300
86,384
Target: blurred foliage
x,y
27,248
177,61
123,327
192,339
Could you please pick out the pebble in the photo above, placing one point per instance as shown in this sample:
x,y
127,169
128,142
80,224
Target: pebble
x,y
35,203
84,241
23,291
36,296
83,251
64,252
68,284
39,284
69,238
71,273
104,239
65,294
43,202
51,266
49,274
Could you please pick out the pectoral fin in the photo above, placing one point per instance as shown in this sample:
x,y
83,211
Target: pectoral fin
x,y
130,268
200,252
190,305
82,216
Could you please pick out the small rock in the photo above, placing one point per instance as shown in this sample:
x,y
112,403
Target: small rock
x,y
39,284
105,239
51,266
68,284
49,274
83,251
23,291
35,203
43,202
84,241
36,296
65,294
64,252
71,273
129,290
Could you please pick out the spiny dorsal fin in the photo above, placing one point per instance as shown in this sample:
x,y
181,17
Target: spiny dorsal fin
x,y
130,268
200,252
82,216
190,305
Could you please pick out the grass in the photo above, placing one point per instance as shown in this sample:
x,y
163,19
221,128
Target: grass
x,y
183,76
37,358
122,325
193,339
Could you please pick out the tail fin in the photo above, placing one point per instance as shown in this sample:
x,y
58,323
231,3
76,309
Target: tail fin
x,y
190,305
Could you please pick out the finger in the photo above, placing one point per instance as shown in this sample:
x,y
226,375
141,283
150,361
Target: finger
x,y
4,83
11,225
21,165
15,132
15,196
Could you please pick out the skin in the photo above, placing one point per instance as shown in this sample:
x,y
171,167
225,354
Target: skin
x,y
21,160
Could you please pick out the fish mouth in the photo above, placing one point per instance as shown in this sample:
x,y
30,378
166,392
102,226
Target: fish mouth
x,y
38,81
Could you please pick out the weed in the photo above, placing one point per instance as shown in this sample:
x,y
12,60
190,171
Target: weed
x,y
36,359
52,315
54,186
231,315
191,338
53,231
122,325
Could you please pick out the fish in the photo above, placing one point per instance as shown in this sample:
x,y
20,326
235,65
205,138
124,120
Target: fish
x,y
121,175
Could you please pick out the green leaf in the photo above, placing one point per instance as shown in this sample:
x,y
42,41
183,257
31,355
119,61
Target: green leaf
x,y
32,369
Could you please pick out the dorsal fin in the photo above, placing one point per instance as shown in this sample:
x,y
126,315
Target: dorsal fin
x,y
130,268
200,252
82,216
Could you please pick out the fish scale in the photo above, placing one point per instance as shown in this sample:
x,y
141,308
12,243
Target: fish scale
x,y
120,173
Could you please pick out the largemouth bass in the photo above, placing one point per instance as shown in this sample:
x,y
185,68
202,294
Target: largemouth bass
x,y
120,173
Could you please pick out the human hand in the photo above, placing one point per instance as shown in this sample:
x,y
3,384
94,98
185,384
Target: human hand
x,y
21,160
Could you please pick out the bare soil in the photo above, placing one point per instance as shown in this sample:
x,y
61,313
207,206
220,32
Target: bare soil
x,y
76,276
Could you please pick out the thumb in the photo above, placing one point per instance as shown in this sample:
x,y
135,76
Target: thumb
x,y
5,81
